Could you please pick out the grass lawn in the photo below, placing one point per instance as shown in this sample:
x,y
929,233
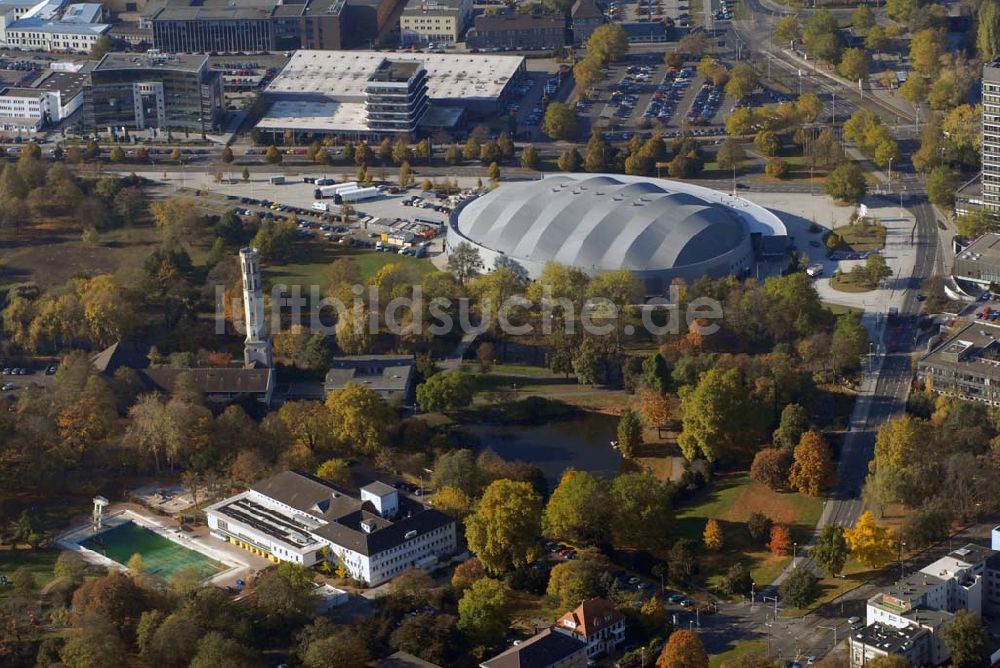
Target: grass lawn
x,y
311,260
838,309
40,562
859,238
730,500
738,651
844,282
534,380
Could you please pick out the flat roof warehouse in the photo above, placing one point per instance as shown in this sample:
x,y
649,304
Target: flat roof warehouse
x,y
342,75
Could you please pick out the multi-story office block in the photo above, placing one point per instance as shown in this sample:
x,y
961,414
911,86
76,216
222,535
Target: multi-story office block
x,y
396,96
153,90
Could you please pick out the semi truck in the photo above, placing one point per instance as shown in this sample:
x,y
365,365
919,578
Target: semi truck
x,y
355,195
331,190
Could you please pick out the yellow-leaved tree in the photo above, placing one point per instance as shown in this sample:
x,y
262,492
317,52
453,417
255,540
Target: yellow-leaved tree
x,y
870,544
713,535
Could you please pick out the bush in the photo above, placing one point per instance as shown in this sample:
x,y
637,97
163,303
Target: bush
x,y
800,588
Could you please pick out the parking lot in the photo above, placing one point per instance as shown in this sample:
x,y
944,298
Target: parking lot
x,y
642,93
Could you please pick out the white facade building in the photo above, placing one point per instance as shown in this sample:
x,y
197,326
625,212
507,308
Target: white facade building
x,y
49,26
256,347
906,618
293,516
32,108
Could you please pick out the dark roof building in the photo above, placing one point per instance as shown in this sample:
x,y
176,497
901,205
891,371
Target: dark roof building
x,y
548,649
517,32
391,376
966,364
376,534
218,385
585,18
404,660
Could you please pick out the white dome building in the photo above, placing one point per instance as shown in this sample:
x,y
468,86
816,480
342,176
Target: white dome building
x,y
658,229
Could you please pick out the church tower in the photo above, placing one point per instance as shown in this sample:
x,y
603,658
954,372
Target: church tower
x,y
257,347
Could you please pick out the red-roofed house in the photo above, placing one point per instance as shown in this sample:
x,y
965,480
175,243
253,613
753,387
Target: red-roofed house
x,y
597,623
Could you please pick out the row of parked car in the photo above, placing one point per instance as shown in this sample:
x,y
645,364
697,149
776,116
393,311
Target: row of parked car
x,y
706,104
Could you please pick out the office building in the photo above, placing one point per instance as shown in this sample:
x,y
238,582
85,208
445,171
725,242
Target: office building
x,y
396,97
907,618
991,137
967,364
297,517
229,29
516,32
434,21
327,92
178,93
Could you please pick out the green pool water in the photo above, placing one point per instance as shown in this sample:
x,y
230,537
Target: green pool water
x,y
162,557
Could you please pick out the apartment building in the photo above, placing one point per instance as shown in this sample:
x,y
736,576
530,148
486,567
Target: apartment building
x,y
297,517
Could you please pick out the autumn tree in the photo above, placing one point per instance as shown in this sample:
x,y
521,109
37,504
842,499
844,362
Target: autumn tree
x,y
360,419
607,43
715,412
759,527
503,529
870,544
781,540
712,536
770,467
831,550
629,432
655,408
813,470
578,510
560,121
641,508
967,640
684,649
482,611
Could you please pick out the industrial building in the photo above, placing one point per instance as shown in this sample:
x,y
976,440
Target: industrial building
x,y
359,93
177,93
297,517
658,229
438,22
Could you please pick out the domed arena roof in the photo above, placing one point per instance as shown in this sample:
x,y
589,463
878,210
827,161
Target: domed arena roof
x,y
601,223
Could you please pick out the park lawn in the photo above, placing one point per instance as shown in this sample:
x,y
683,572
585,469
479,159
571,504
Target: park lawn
x,y
730,500
51,254
533,380
40,562
737,651
859,238
310,259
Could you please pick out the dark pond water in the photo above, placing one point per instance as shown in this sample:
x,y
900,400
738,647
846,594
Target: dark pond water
x,y
582,443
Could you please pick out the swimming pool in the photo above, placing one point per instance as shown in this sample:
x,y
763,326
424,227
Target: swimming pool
x,y
161,556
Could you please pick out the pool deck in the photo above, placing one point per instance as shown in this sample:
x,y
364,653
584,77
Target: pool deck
x,y
240,565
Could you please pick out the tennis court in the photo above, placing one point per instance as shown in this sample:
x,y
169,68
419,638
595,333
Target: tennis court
x,y
161,556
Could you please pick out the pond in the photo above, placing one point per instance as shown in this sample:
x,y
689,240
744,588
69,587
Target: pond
x,y
583,443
